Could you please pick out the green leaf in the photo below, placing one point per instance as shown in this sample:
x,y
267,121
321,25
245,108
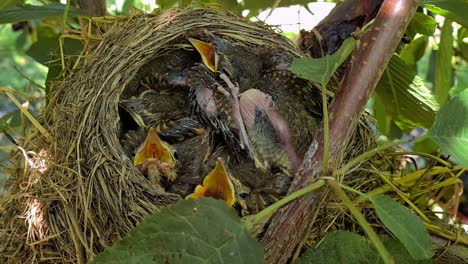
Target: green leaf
x,y
47,41
426,145
462,45
407,227
414,51
10,3
166,4
450,130
127,5
443,68
321,70
70,47
422,24
193,231
351,248
383,120
405,97
453,9
339,247
461,79
398,251
30,12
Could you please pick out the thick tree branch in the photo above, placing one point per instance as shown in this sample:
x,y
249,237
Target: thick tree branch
x,y
344,19
367,65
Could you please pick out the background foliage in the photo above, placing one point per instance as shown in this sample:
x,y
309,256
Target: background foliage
x,y
423,86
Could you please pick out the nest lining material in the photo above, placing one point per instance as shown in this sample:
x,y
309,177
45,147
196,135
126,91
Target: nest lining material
x,y
90,195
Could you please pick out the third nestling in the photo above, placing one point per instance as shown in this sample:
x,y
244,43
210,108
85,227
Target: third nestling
x,y
248,95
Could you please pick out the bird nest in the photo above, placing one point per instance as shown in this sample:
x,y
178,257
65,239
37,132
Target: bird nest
x,y
78,192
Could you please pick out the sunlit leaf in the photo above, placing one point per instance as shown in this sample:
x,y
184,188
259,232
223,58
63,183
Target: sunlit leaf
x,y
193,231
407,227
422,24
414,51
450,130
405,97
10,3
443,69
453,9
321,70
30,12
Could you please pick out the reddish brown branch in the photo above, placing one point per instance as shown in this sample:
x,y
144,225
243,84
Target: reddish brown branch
x,y
343,20
369,60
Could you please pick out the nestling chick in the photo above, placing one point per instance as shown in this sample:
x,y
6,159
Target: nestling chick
x,y
155,158
264,92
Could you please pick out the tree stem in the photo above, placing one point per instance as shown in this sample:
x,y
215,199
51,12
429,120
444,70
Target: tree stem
x,y
367,65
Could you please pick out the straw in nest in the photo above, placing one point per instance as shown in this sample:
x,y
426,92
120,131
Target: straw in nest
x,y
81,193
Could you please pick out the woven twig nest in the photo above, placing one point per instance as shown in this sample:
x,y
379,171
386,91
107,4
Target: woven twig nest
x,y
80,192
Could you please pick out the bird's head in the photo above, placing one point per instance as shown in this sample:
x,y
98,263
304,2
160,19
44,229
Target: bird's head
x,y
137,107
217,54
157,155
217,184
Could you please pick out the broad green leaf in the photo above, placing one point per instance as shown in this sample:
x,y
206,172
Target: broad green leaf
x,y
70,47
54,73
30,12
395,131
321,70
351,248
453,9
414,51
47,42
422,24
407,227
193,231
339,247
443,69
398,251
24,39
10,3
450,130
383,120
404,96
425,145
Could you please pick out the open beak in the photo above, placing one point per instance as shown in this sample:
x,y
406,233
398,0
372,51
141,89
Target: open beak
x,y
154,148
216,184
207,52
